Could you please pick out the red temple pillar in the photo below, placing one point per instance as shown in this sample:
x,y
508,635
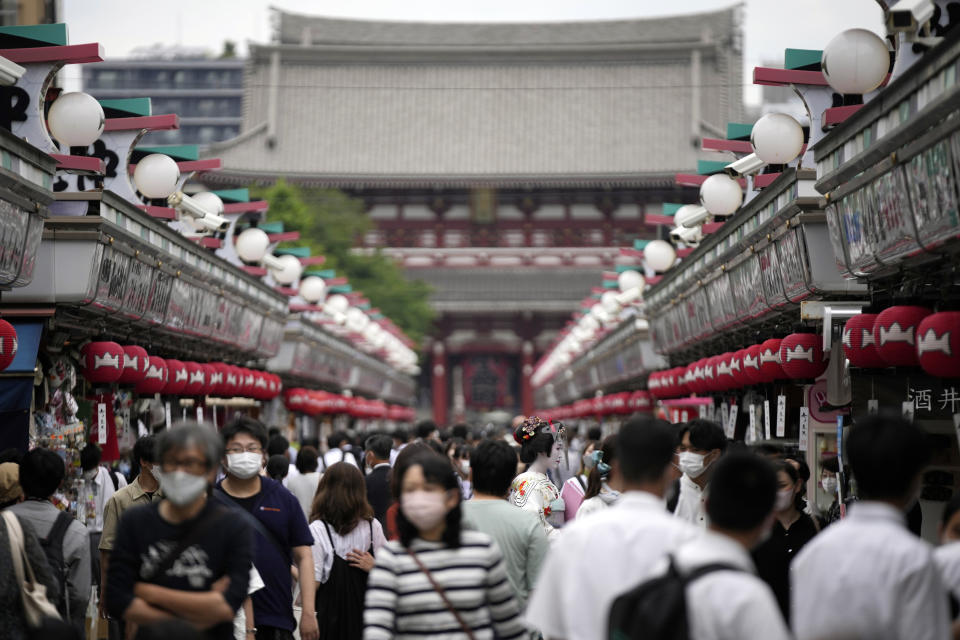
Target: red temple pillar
x,y
526,388
439,384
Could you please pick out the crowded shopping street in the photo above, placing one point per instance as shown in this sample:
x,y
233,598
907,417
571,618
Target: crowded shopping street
x,y
353,320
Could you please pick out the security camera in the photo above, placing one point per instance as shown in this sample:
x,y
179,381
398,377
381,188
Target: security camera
x,y
909,15
687,236
272,262
629,296
10,72
745,166
185,204
691,216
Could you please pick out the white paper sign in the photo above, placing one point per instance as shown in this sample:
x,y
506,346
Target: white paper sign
x,y
956,425
873,406
166,411
732,421
101,423
200,414
781,416
804,424
753,419
703,412
766,418
908,410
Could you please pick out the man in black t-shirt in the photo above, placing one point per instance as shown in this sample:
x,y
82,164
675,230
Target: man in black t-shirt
x,y
186,556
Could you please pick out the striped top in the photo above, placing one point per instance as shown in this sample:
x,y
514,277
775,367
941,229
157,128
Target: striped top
x,y
401,603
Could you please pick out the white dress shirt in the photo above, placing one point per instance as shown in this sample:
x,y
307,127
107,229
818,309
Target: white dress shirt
x,y
947,558
728,605
338,455
595,560
100,488
690,504
867,576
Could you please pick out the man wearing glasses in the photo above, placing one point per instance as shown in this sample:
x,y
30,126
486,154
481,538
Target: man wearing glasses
x,y
281,533
184,556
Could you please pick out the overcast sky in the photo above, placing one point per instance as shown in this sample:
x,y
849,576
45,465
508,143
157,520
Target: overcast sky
x,y
122,25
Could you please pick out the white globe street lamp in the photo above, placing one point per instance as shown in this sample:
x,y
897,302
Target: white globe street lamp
x,y
856,61
289,271
721,195
156,176
76,119
659,255
777,138
312,289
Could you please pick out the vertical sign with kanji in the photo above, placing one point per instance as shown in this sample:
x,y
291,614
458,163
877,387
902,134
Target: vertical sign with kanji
x,y
804,424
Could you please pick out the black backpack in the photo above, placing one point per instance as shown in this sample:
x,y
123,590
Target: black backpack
x,y
657,608
53,547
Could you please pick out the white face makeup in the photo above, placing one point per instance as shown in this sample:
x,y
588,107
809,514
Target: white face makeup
x,y
556,454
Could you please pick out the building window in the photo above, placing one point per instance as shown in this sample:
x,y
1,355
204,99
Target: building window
x,y
541,239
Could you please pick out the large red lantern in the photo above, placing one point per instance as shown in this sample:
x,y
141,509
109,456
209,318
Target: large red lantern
x,y
938,344
210,382
247,386
895,334
102,362
232,380
740,378
641,401
155,379
858,344
196,379
710,381
770,368
697,376
680,376
751,365
653,383
177,378
8,344
802,357
724,372
261,389
296,399
135,362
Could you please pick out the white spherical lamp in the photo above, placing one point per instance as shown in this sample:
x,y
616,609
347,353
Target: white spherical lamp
x,y
659,255
609,302
290,270
721,195
357,320
856,61
336,303
251,245
210,202
777,138
312,289
371,332
76,119
156,176
630,279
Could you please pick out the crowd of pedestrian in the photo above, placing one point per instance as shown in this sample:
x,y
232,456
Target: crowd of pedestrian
x,y
654,531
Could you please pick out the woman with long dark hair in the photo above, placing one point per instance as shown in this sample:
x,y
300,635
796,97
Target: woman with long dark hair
x,y
575,488
604,483
438,580
345,538
541,449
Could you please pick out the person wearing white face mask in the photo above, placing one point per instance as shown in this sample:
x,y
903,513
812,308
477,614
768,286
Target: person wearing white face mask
x,y
438,580
144,489
792,529
185,556
701,444
282,538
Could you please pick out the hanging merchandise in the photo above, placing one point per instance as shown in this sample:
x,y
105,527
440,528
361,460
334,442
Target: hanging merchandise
x,y
8,344
858,344
135,361
938,344
155,379
895,333
177,378
802,357
102,362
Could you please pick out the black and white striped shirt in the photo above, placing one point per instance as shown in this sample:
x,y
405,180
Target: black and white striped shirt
x,y
401,603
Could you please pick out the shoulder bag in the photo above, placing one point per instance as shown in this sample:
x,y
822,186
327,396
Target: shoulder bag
x,y
36,606
443,596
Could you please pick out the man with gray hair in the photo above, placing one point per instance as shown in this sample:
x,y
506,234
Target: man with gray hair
x,y
183,557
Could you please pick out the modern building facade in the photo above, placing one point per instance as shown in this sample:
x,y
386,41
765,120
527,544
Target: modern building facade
x,y
206,93
504,164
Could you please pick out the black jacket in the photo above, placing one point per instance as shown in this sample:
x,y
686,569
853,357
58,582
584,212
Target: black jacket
x,y
378,493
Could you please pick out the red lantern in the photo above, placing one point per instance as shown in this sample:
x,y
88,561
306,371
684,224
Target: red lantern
x,y
177,378
696,378
724,372
680,375
736,368
231,380
196,379
858,344
641,401
261,390
102,362
296,399
653,383
155,378
248,385
895,335
938,344
8,344
135,362
710,382
211,381
802,357
770,368
274,385
751,365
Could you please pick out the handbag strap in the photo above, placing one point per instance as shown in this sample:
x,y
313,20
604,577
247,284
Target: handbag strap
x,y
443,596
21,564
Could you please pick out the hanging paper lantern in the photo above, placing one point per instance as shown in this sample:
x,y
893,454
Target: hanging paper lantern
x,y
740,378
249,383
641,401
680,376
274,384
770,368
858,344
8,344
218,380
653,384
895,334
751,365
233,380
177,378
102,362
696,377
196,379
724,373
135,361
802,357
710,381
155,379
938,344
296,399
261,389
212,379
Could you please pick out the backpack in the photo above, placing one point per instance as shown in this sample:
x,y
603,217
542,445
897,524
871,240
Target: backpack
x,y
657,608
113,478
53,546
